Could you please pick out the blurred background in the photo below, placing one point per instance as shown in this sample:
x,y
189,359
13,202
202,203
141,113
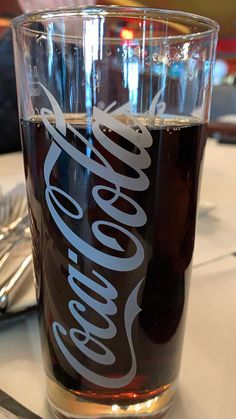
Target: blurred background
x,y
223,113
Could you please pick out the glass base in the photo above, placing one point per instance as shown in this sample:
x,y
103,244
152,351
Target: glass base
x,y
67,405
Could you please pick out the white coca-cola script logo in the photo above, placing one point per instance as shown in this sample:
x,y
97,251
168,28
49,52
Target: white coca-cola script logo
x,y
86,331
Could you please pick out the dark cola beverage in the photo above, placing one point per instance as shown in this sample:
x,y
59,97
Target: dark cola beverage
x,y
113,211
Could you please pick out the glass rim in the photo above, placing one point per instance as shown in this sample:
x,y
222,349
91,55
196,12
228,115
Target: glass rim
x,y
144,13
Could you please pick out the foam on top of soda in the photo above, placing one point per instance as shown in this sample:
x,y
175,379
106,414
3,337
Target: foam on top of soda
x,y
166,120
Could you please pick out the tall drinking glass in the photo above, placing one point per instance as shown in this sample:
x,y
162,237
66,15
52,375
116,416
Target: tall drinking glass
x,y
113,106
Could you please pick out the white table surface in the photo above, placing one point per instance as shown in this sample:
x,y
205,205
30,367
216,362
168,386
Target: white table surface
x,y
207,387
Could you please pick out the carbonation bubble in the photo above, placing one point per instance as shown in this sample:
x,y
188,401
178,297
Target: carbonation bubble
x,y
136,50
195,55
155,56
101,105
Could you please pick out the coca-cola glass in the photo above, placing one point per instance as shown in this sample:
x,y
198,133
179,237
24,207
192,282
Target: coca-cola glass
x,y
113,106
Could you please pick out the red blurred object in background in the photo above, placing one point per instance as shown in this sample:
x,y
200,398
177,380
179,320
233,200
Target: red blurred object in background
x,y
8,9
227,45
226,50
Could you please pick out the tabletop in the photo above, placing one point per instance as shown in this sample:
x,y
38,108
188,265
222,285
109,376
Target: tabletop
x,y
207,379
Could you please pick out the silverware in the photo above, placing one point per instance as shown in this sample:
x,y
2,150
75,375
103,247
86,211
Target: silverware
x,y
11,285
12,205
14,230
13,234
13,208
15,222
17,227
19,233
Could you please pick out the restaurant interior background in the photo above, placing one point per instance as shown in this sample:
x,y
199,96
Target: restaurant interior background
x,y
223,113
